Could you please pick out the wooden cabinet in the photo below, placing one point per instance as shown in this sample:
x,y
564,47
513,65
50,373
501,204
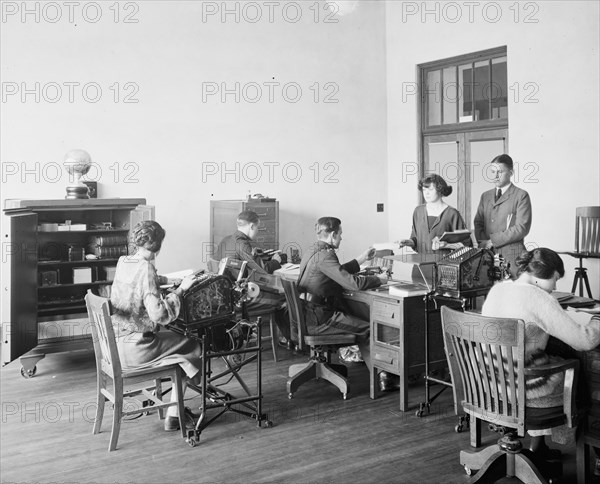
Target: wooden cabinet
x,y
45,271
398,341
223,215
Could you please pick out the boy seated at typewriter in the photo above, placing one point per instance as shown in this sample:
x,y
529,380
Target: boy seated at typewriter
x,y
240,246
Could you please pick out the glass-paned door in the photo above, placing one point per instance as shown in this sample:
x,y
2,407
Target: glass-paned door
x,y
463,160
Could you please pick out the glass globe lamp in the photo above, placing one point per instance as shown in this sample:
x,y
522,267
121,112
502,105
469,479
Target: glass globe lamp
x,y
77,163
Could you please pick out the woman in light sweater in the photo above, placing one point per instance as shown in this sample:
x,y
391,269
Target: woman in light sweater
x,y
529,298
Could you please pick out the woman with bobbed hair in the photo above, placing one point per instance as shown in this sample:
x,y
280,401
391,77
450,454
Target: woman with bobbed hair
x,y
139,311
430,221
433,218
529,298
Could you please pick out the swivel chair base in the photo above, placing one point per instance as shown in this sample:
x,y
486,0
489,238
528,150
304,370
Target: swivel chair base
x,y
508,460
318,369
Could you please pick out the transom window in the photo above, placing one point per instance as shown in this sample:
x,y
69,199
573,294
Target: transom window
x,y
465,90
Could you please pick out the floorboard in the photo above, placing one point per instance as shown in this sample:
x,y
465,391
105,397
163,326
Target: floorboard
x,y
317,437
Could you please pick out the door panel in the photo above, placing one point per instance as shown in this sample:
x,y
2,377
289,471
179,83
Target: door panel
x,y
462,159
443,159
479,154
19,270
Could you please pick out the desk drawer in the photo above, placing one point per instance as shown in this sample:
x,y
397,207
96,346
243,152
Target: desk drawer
x,y
385,358
386,312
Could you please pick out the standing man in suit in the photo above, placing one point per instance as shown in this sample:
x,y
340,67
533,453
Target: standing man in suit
x,y
503,217
240,246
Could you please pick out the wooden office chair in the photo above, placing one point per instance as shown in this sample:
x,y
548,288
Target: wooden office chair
x,y
587,244
321,347
492,388
108,368
235,270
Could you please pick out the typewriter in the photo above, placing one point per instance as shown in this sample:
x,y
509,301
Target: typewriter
x,y
465,272
209,311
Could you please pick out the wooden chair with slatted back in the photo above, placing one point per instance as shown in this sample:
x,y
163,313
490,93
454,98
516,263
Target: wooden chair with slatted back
x,y
587,244
108,369
486,357
321,347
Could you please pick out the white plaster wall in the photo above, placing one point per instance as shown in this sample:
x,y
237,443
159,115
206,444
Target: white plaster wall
x,y
157,148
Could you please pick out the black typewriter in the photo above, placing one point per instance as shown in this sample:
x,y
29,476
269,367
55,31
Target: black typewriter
x,y
209,310
465,272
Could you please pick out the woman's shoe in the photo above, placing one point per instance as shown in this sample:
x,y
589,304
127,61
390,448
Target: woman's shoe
x,y
172,423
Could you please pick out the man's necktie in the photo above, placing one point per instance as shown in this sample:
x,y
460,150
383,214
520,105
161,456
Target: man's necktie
x,y
498,195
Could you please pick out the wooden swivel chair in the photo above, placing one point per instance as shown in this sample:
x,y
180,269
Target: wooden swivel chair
x,y
587,244
321,347
491,387
108,369
235,270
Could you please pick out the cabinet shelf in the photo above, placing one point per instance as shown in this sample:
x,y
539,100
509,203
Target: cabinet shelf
x,y
89,232
67,263
82,284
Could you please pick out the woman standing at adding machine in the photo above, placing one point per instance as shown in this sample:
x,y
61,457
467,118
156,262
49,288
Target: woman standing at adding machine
x,y
432,219
139,310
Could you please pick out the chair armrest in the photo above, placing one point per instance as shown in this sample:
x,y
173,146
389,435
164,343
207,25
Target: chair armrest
x,y
550,368
570,368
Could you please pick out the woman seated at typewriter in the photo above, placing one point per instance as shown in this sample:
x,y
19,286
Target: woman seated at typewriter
x,y
139,310
529,298
432,219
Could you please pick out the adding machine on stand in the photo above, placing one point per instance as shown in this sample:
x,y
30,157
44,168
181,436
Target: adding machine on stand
x,y
459,278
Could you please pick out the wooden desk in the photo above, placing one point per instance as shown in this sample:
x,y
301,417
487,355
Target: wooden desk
x,y
397,339
397,336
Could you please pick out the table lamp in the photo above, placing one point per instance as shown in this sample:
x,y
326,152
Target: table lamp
x,y
77,163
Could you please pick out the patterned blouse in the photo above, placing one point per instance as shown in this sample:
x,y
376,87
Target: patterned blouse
x,y
138,305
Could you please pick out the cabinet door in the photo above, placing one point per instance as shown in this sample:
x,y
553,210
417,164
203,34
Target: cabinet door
x,y
19,287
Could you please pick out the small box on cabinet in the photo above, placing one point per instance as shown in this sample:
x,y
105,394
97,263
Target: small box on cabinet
x,y
49,278
82,275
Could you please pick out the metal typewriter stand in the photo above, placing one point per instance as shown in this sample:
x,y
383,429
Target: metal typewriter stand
x,y
465,303
213,397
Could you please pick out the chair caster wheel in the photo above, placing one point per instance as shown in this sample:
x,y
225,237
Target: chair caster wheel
x,y
192,442
468,471
268,424
419,413
290,395
458,429
28,373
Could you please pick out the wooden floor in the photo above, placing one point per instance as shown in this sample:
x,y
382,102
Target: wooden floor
x,y
317,437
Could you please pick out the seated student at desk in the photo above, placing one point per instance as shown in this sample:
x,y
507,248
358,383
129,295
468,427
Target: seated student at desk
x,y
140,310
432,219
322,280
240,246
529,298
